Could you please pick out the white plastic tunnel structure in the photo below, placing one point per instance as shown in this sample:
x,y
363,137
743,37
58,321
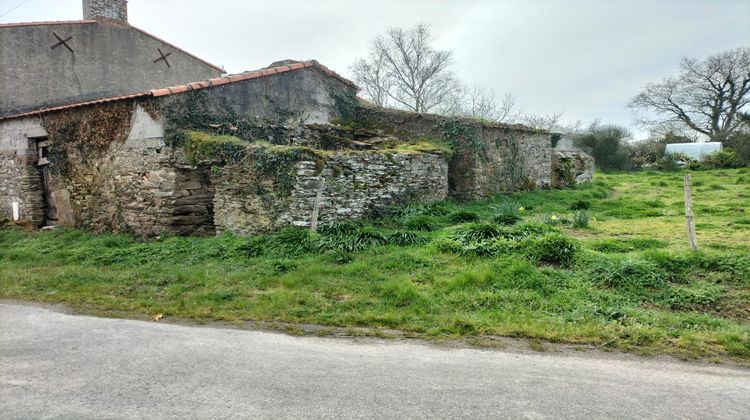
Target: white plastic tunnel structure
x,y
695,151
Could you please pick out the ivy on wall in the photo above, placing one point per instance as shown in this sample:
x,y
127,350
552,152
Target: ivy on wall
x,y
84,134
461,133
195,111
201,147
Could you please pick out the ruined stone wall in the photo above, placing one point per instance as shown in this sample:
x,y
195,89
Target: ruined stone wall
x,y
313,189
488,158
20,180
121,176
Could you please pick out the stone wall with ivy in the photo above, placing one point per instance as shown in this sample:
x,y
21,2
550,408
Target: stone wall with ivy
x,y
275,187
487,159
271,109
112,171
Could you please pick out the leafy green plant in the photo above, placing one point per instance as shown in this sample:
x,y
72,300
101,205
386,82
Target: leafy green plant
x,y
669,163
581,219
722,159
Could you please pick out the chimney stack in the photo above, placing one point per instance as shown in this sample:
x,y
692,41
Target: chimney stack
x,y
107,10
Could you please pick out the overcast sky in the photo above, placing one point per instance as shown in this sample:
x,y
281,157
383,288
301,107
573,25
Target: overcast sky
x,y
586,58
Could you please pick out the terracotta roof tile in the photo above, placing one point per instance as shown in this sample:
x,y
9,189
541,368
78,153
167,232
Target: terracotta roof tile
x,y
172,90
76,105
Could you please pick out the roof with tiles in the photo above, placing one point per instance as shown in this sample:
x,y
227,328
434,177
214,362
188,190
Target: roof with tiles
x,y
195,86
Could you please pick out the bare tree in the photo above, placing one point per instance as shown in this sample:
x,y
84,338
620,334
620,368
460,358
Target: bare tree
x,y
415,75
483,103
549,122
372,75
478,102
705,97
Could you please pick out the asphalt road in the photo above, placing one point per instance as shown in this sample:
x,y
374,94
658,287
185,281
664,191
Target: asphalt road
x,y
58,365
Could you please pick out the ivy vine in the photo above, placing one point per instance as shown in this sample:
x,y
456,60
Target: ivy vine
x,y
459,132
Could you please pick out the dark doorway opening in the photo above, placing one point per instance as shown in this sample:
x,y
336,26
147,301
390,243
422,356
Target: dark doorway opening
x,y
50,212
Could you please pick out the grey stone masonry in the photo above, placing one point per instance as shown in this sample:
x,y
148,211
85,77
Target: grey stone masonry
x,y
570,167
116,10
20,180
343,186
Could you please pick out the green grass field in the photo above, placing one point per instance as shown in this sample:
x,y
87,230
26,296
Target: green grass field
x,y
606,264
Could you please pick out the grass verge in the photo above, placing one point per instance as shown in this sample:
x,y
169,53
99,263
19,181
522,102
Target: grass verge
x,y
512,266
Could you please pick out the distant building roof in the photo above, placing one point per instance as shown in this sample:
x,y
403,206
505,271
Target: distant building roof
x,y
696,151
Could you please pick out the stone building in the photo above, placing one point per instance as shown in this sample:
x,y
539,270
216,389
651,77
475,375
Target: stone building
x,y
46,64
290,144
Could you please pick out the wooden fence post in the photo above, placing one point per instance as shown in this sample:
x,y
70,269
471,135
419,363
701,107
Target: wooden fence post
x,y
316,208
689,213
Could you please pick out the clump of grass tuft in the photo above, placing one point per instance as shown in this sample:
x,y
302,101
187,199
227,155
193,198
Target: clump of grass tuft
x,y
292,242
626,273
553,248
530,230
448,245
423,223
581,205
360,240
463,216
252,247
340,228
508,213
405,238
436,208
581,219
477,232
554,220
626,245
340,256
